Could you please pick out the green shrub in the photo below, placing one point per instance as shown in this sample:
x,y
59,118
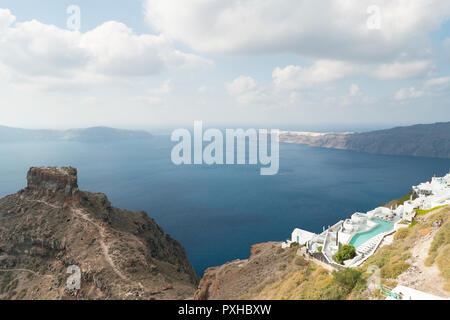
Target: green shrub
x,y
424,212
392,271
345,253
347,278
414,223
334,292
344,281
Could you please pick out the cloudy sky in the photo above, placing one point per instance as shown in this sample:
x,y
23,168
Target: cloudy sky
x,y
299,64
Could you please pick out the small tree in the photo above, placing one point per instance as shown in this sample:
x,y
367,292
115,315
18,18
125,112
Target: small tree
x,y
345,253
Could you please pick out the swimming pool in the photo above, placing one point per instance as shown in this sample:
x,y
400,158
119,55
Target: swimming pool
x,y
382,226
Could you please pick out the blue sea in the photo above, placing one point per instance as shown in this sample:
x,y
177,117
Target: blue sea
x,y
218,212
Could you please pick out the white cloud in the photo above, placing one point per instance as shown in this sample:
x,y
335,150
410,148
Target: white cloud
x,y
246,91
354,97
437,81
202,89
6,18
158,95
112,49
297,77
240,85
408,93
165,88
301,26
400,70
354,90
322,71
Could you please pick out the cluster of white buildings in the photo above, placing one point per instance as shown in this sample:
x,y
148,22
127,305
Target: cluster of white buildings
x,y
367,230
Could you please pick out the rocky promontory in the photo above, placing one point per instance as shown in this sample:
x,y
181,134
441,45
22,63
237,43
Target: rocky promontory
x,y
51,225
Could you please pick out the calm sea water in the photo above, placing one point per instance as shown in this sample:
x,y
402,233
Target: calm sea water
x,y
218,212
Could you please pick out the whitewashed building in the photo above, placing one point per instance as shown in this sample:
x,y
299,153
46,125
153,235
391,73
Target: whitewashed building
x,y
366,231
301,236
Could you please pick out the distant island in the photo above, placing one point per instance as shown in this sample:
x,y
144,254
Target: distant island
x,y
421,140
94,134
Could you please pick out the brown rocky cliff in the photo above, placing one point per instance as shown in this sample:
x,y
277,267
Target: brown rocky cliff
x,y
53,179
51,225
240,279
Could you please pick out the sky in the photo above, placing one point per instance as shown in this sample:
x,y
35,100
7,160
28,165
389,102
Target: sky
x,y
287,64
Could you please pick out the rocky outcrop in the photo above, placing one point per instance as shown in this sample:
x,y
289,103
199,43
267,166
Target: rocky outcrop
x,y
51,225
53,179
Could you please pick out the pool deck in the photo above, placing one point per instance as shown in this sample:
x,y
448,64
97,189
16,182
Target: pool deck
x,y
362,237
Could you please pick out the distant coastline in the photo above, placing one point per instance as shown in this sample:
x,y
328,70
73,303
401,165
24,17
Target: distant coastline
x,y
93,134
422,140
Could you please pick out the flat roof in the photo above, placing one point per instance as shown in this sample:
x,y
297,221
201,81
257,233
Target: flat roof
x,y
413,294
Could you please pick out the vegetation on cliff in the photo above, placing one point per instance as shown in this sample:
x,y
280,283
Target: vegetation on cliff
x,y
347,252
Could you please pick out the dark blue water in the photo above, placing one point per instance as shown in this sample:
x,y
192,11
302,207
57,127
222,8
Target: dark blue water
x,y
217,213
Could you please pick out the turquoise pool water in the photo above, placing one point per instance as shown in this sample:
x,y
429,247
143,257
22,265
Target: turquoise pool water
x,y
382,226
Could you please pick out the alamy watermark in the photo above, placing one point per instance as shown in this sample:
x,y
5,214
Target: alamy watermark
x,y
374,19
74,20
235,142
74,280
374,281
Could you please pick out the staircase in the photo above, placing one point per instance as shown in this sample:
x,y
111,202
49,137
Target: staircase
x,y
369,245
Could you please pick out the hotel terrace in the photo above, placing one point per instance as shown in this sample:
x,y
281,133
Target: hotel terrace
x,y
366,231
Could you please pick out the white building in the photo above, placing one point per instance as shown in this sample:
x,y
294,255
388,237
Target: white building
x,y
405,293
434,193
381,213
423,189
302,236
427,195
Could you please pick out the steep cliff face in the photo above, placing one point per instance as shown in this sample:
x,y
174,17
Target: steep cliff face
x,y
243,279
424,140
51,225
